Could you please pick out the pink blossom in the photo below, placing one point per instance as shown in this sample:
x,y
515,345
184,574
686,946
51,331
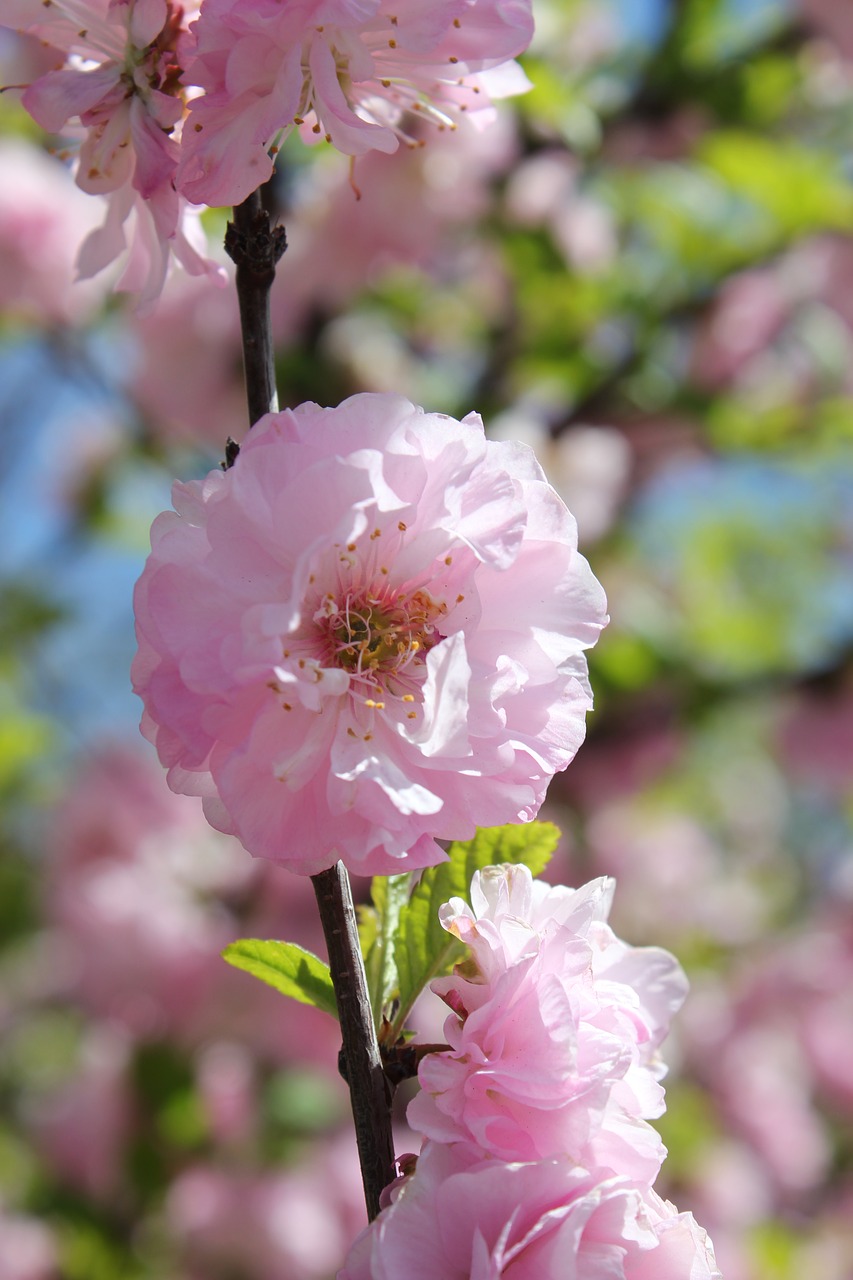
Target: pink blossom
x,y
227,1089
84,1127
675,879
366,635
337,244
543,190
290,1225
554,1035
773,1047
141,898
43,217
756,337
188,373
117,82
464,1219
343,70
28,1248
832,22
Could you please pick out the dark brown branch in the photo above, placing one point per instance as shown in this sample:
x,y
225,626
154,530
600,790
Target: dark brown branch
x,y
370,1093
255,247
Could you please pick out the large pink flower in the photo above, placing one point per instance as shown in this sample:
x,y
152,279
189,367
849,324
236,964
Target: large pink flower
x,y
554,1034
349,71
458,1218
366,635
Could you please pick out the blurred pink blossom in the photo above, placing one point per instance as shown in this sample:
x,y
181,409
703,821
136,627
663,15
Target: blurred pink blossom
x,y
27,1248
84,1127
141,897
295,1224
677,880
771,1045
815,734
340,245
747,315
117,80
339,69
187,375
227,1089
832,20
43,218
368,633
543,191
766,1087
760,335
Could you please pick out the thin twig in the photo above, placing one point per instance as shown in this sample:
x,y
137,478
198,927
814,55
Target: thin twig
x,y
255,247
370,1092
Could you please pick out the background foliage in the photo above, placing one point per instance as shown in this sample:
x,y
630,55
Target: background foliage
x,y
645,269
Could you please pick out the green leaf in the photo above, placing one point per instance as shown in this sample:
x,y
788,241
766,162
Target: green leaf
x,y
424,950
368,928
289,968
377,928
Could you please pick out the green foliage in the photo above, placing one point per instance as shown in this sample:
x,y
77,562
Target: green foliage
x,y
688,1127
624,661
747,597
18,1166
715,31
423,949
24,737
800,188
769,85
559,101
289,968
25,612
736,424
777,1251
18,899
302,1103
172,1116
41,1048
87,1253
688,227
377,930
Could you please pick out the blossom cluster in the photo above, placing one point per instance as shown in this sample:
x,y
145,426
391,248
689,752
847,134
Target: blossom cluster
x,y
116,89
538,1159
178,104
367,635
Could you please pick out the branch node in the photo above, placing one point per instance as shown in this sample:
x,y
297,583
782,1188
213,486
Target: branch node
x,y
232,449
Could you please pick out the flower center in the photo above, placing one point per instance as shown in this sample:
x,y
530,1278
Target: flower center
x,y
373,634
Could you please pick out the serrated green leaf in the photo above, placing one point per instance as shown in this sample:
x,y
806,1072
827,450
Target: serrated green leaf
x,y
423,950
289,968
377,929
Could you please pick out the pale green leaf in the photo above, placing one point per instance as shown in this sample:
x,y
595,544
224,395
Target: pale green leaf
x,y
289,968
377,931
